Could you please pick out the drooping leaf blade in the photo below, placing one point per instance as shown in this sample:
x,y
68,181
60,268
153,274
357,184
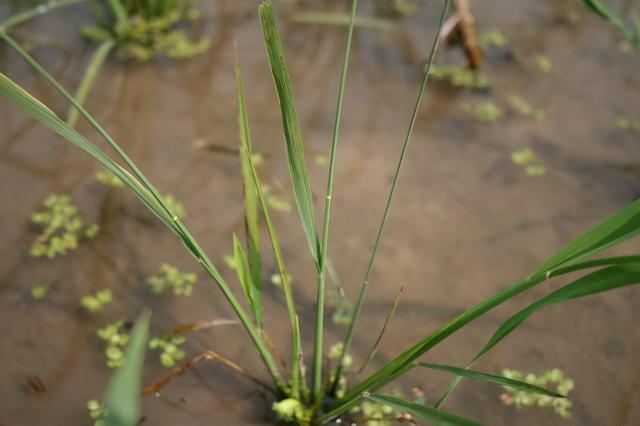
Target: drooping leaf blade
x,y
423,412
293,138
122,400
491,378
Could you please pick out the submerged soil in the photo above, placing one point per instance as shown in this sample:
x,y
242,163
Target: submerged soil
x,y
466,221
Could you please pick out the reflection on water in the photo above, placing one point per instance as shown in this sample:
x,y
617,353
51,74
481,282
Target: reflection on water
x,y
466,221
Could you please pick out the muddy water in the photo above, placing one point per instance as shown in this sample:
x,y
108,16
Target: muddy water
x,y
466,221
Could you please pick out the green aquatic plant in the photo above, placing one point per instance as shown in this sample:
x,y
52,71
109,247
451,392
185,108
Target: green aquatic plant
x,y
116,337
62,227
169,277
96,412
170,351
631,31
486,111
544,64
39,291
175,206
522,398
318,392
94,303
528,160
523,107
461,76
625,123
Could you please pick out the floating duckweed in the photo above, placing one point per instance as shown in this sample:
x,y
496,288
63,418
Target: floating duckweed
x,y
40,291
95,303
544,64
171,353
143,32
107,178
486,112
170,277
321,160
627,123
527,159
336,350
292,410
62,227
523,107
342,310
460,77
520,398
175,206
491,37
96,412
116,338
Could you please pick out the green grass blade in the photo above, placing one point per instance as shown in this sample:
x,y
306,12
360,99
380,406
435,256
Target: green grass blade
x,y
22,17
403,362
604,12
295,149
387,320
471,374
95,63
317,390
120,14
296,359
122,400
620,227
422,412
244,276
247,154
251,202
606,279
369,272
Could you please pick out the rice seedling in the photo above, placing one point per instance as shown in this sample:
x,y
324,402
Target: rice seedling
x,y
329,392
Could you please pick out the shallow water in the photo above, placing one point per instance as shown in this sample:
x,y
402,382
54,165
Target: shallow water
x,y
466,221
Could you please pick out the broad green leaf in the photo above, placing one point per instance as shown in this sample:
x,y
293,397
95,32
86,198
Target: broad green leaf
x,y
95,63
423,412
471,374
250,194
291,126
619,227
244,276
122,400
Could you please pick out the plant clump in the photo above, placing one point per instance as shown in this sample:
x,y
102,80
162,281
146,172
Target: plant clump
x,y
528,160
521,398
62,227
116,336
145,29
96,412
171,353
95,302
39,291
169,277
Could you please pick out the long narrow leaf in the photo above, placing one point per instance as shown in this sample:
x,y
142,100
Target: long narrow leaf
x,y
484,377
22,17
244,276
378,240
122,400
250,199
291,126
422,412
599,8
